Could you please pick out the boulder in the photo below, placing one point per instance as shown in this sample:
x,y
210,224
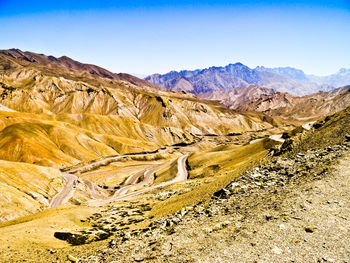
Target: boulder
x,y
73,239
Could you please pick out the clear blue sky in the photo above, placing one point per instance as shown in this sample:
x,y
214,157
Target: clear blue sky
x,y
158,36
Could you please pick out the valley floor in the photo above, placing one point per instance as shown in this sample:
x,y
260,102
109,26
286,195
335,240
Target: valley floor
x,y
267,215
292,208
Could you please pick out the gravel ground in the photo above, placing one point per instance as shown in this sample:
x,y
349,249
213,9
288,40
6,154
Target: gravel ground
x,y
291,210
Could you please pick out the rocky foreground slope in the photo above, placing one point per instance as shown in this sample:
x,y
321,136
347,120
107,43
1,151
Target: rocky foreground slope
x,y
269,214
294,207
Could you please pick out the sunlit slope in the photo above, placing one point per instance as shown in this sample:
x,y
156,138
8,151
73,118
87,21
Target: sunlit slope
x,y
221,159
26,188
68,112
29,91
333,129
281,105
212,170
52,143
128,127
46,144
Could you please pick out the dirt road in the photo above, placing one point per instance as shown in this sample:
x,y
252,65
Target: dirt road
x,y
148,175
272,219
92,189
114,159
101,162
121,194
67,190
181,170
277,137
307,126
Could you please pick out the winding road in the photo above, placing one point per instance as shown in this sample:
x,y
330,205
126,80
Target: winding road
x,y
121,194
180,176
130,183
182,173
277,137
92,188
67,190
108,160
101,162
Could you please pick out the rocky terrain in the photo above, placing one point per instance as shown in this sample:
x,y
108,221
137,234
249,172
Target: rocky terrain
x,y
292,205
293,208
57,112
283,106
104,167
232,76
262,217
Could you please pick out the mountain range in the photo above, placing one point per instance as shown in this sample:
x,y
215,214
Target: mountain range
x,y
90,155
283,79
57,112
282,105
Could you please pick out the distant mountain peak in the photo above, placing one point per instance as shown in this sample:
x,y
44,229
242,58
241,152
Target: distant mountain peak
x,y
283,79
343,70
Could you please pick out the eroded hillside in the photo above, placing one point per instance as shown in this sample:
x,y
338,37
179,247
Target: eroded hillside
x,y
99,114
283,106
60,113
88,155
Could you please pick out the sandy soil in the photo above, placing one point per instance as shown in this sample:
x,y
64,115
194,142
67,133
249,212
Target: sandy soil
x,y
310,225
282,219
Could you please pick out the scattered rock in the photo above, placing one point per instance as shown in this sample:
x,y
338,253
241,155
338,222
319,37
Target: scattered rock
x,y
101,235
318,125
309,229
72,258
326,259
73,239
139,258
347,137
277,250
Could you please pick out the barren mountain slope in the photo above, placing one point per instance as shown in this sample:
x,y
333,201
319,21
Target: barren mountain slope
x,y
232,76
26,188
58,112
65,66
118,113
289,108
292,207
296,200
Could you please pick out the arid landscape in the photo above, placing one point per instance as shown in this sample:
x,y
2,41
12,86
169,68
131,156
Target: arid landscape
x,y
92,159
174,131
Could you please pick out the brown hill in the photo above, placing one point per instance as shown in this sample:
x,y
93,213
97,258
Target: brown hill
x,y
15,58
26,188
281,105
59,112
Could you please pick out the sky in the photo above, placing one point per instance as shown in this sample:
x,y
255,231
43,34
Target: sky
x,y
145,37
